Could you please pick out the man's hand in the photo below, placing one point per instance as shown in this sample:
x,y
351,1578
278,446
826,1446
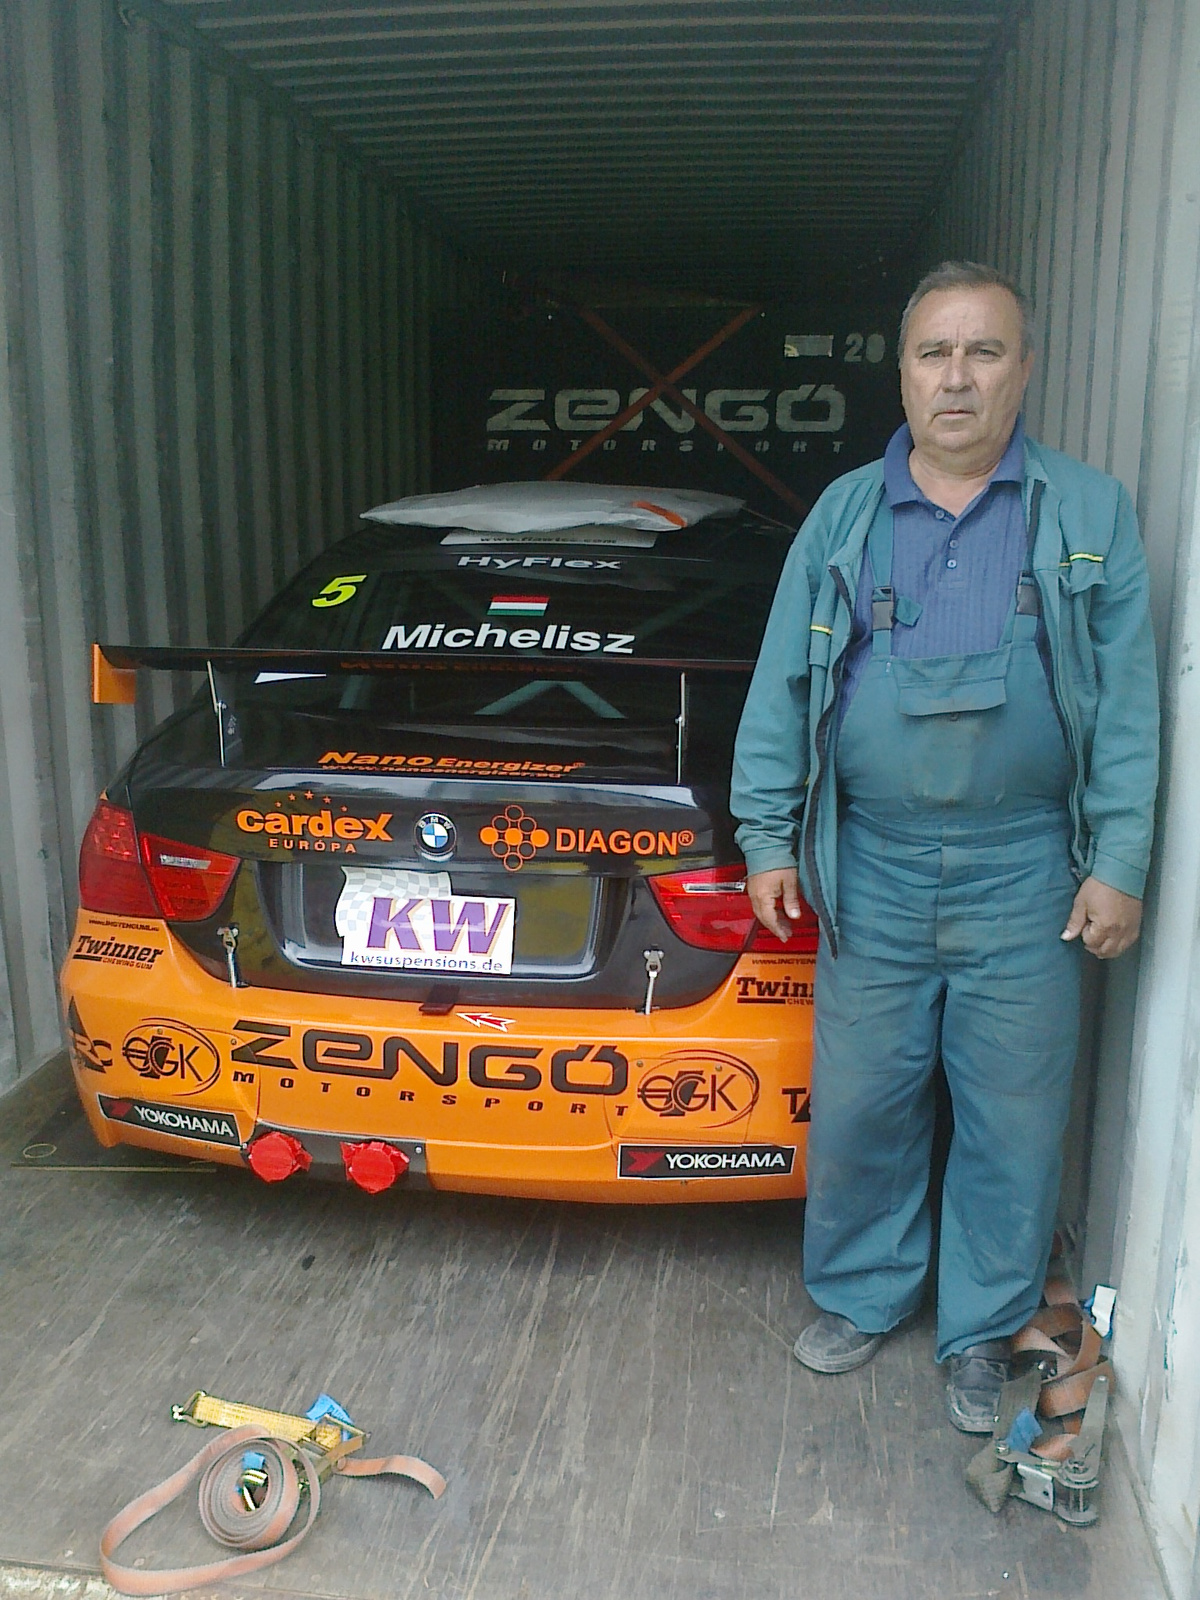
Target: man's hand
x,y
766,890
1108,920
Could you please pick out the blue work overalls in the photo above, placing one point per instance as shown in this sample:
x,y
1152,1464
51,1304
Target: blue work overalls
x,y
954,885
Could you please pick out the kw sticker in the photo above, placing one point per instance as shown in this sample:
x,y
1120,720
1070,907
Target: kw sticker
x,y
705,1161
514,837
163,1050
387,920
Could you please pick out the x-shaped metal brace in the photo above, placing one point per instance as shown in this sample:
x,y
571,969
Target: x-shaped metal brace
x,y
667,384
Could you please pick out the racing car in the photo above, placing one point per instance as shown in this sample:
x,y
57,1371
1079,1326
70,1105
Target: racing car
x,y
433,882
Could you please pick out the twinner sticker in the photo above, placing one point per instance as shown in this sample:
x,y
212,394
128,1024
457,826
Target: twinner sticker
x,y
389,917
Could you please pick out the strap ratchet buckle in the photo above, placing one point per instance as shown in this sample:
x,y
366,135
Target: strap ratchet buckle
x,y
1068,1488
325,1435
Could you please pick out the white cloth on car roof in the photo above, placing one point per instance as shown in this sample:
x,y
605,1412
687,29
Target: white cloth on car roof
x,y
545,507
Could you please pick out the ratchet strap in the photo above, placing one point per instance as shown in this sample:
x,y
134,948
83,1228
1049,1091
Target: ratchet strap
x,y
1062,1356
249,1498
1065,1344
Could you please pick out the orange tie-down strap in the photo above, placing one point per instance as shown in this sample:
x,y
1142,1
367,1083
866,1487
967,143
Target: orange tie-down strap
x,y
1066,1343
235,1516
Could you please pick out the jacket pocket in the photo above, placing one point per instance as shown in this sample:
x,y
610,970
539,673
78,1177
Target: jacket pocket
x,y
1081,572
820,643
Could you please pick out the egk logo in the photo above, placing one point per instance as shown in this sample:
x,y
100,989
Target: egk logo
x,y
707,1088
160,1049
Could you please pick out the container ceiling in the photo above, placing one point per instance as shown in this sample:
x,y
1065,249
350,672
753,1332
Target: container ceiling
x,y
698,142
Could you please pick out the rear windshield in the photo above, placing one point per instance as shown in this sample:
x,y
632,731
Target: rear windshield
x,y
562,607
476,626
482,694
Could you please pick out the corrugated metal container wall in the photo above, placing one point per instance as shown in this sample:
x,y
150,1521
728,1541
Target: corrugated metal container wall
x,y
216,354
1081,178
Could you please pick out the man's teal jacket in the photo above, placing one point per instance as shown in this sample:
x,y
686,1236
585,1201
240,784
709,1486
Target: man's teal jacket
x,y
1091,571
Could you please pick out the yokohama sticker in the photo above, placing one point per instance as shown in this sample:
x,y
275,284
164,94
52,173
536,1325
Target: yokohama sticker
x,y
705,1161
211,1127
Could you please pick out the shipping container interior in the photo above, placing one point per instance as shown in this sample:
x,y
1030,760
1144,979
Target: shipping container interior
x,y
265,263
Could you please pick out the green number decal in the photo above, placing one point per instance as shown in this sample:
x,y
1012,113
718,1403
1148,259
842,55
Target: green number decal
x,y
338,590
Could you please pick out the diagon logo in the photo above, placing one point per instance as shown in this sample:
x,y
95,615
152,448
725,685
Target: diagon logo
x,y
707,1087
514,838
211,1127
705,1161
171,1052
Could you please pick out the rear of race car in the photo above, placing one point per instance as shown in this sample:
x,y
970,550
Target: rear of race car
x,y
460,905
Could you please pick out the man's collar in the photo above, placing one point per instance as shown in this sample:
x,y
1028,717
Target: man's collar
x,y
898,479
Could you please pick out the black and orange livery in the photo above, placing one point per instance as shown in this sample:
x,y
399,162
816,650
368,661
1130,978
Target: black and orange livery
x,y
472,921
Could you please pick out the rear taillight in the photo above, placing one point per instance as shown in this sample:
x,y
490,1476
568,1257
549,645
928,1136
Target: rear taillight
x,y
111,877
710,909
189,882
148,876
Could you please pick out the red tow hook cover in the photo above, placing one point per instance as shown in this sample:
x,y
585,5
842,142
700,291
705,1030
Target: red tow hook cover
x,y
374,1166
275,1156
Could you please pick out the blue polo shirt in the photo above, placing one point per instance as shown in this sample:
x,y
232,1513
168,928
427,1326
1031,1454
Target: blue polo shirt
x,y
962,571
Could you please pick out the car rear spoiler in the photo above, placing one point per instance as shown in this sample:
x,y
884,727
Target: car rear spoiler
x,y
114,672
114,666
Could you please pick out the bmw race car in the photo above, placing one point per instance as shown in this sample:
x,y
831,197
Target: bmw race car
x,y
434,883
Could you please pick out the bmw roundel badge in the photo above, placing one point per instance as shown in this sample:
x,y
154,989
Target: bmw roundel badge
x,y
436,836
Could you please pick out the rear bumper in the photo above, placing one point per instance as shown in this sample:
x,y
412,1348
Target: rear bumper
x,y
705,1102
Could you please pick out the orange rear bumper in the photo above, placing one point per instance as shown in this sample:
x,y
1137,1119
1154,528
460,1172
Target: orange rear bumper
x,y
705,1102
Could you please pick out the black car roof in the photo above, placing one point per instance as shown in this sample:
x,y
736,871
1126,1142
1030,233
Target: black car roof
x,y
411,545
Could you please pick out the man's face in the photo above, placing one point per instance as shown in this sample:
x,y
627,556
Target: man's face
x,y
962,376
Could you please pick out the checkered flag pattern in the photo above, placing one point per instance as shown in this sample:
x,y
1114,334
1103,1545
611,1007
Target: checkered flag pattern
x,y
353,914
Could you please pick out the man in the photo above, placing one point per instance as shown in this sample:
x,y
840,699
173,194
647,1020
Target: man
x,y
952,732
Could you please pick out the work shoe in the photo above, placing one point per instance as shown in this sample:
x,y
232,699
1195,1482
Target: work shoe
x,y
834,1344
977,1374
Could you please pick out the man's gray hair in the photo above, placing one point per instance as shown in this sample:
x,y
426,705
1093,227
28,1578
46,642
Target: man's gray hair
x,y
969,275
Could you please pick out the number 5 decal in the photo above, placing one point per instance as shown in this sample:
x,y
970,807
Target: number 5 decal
x,y
338,590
